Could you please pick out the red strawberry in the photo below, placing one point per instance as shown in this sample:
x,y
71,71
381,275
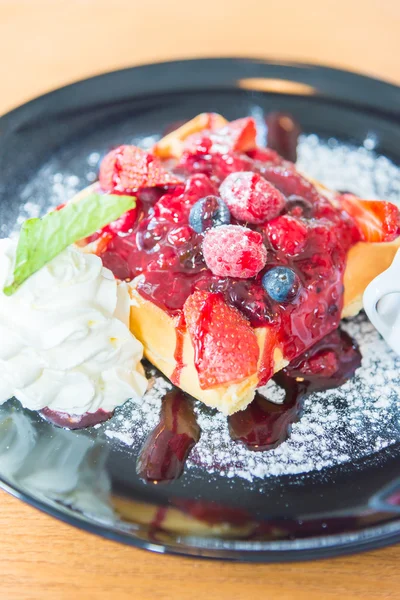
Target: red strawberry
x,y
128,168
226,348
377,221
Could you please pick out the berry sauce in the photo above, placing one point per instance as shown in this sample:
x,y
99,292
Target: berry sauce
x,y
263,425
75,421
166,449
167,252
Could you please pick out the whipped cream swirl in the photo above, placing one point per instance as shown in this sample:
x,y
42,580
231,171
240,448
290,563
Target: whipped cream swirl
x,y
64,337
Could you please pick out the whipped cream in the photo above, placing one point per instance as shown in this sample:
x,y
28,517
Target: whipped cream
x,y
64,337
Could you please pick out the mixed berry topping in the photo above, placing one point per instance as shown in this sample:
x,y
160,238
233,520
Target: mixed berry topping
x,y
208,212
217,216
234,251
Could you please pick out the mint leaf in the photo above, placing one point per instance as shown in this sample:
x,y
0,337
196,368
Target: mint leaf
x,y
41,240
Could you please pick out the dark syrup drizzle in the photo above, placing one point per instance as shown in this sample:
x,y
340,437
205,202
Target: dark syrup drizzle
x,y
263,425
75,421
167,447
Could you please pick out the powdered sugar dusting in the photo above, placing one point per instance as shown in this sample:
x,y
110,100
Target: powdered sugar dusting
x,y
337,426
134,421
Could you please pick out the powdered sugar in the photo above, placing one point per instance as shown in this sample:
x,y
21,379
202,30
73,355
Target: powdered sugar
x,y
338,426
134,421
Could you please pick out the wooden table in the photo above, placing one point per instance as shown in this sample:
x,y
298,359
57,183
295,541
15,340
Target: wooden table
x,y
44,44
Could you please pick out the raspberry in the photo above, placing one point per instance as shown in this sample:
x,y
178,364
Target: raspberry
x,y
234,251
323,235
198,186
128,168
174,206
251,198
226,347
287,234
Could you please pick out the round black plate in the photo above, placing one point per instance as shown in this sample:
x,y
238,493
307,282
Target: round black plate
x,y
89,480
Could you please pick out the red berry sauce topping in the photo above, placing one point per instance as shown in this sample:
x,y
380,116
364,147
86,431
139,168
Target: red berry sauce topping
x,y
281,217
287,234
264,425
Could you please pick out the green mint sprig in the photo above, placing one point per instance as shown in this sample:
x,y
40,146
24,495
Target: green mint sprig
x,y
41,240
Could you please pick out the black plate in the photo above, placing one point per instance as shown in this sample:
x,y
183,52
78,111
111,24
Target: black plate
x,y
77,476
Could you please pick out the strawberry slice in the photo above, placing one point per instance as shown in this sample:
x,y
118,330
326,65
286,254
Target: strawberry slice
x,y
128,168
377,220
226,349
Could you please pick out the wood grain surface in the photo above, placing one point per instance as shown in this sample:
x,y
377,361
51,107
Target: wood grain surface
x,y
44,44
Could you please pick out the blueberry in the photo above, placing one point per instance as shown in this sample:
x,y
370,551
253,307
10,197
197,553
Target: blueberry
x,y
209,212
281,284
